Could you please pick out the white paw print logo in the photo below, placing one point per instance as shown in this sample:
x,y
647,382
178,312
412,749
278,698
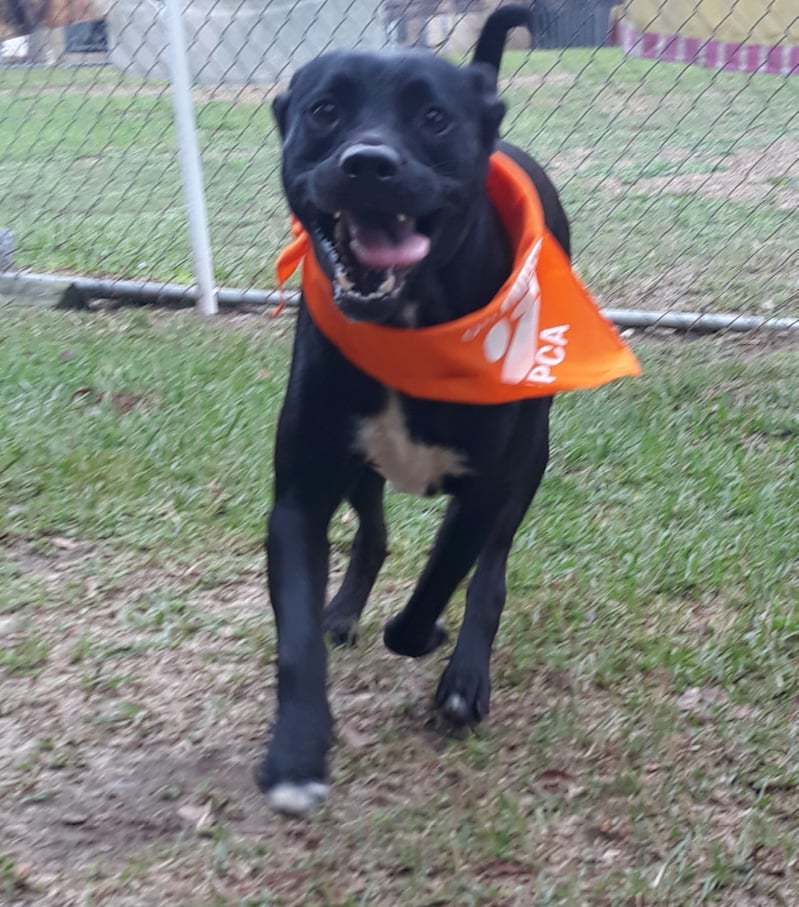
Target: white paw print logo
x,y
514,338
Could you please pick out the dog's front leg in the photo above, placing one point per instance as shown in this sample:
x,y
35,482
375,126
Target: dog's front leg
x,y
294,771
464,690
465,529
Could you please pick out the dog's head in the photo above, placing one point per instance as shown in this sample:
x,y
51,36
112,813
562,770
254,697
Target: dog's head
x,y
383,156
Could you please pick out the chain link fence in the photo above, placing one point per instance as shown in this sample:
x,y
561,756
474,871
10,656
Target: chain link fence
x,y
671,128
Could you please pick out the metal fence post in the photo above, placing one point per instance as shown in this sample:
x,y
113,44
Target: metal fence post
x,y
190,163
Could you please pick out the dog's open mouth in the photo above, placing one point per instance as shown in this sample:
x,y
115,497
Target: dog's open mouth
x,y
371,253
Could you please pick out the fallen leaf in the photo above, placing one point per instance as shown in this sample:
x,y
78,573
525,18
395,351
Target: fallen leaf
x,y
191,814
555,778
263,374
700,701
66,356
64,544
780,784
9,626
356,739
201,817
87,392
498,869
743,712
770,860
126,402
74,819
573,791
604,831
170,792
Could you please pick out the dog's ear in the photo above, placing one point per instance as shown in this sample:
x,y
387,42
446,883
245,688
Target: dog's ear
x,y
280,107
484,83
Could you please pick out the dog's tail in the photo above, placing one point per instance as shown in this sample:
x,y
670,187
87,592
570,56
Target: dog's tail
x,y
491,42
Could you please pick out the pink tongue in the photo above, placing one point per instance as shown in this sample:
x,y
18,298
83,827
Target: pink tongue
x,y
375,249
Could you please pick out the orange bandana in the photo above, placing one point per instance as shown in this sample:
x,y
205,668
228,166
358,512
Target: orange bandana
x,y
540,335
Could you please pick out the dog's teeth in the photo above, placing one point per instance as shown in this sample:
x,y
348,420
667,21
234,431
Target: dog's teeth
x,y
402,218
337,215
388,284
330,250
343,280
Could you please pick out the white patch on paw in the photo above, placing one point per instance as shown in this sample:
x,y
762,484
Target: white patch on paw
x,y
456,705
297,799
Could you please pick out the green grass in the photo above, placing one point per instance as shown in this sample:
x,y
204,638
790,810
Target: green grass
x,y
90,181
642,748
127,443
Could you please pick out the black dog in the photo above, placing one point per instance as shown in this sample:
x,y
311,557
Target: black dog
x,y
384,163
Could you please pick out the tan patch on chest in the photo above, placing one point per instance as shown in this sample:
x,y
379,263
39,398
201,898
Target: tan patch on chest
x,y
409,465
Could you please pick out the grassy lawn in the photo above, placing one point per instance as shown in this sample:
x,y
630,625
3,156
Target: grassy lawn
x,y
682,182
643,744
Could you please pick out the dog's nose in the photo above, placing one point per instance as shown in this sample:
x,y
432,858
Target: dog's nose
x,y
376,161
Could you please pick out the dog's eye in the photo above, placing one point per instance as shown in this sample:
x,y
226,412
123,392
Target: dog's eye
x,y
324,113
435,120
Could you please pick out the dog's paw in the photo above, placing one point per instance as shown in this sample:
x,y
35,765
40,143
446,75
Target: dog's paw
x,y
463,694
340,629
293,774
297,798
404,640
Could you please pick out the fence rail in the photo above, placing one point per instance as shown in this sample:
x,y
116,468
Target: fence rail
x,y
670,126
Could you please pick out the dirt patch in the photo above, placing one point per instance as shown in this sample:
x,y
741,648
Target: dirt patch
x,y
119,800
538,81
754,177
245,94
141,728
572,161
127,761
242,94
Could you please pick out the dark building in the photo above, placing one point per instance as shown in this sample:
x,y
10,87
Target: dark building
x,y
453,25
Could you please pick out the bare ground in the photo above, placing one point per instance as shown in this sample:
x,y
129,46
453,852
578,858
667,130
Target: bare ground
x,y
770,175
127,760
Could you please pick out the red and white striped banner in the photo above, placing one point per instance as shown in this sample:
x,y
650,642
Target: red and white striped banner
x,y
780,60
